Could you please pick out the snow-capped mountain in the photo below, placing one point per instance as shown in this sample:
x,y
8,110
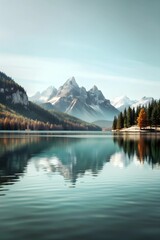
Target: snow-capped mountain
x,y
122,102
142,102
44,96
88,105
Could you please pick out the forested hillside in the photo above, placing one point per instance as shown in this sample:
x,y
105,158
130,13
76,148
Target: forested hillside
x,y
8,83
38,119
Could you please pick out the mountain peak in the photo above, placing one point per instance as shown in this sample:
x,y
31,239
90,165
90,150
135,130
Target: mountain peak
x,y
122,102
44,96
95,95
48,91
72,82
50,88
121,98
69,88
94,89
88,105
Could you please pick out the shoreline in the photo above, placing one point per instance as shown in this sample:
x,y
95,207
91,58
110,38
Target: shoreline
x,y
136,129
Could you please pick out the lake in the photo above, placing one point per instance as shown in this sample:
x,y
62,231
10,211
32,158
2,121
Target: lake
x,y
70,185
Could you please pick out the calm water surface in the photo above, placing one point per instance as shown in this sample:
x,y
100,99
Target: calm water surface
x,y
79,186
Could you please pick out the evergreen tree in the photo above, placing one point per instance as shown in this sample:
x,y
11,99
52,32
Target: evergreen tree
x,y
114,126
154,116
149,113
129,117
125,118
133,116
120,121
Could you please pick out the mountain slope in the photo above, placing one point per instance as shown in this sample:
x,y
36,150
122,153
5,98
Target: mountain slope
x,y
44,96
142,102
122,102
11,92
87,105
15,107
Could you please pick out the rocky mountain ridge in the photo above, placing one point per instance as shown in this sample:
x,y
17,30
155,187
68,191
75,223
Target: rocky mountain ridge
x,y
77,101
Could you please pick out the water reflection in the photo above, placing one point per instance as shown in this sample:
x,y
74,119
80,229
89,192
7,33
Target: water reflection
x,y
14,155
70,157
146,148
73,157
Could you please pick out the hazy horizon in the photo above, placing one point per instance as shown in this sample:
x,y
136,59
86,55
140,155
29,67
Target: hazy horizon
x,y
113,44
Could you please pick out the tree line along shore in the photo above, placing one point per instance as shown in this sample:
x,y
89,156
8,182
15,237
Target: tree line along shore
x,y
144,117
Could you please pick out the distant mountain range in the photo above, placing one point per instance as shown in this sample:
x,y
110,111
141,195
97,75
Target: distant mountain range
x,y
44,96
89,105
142,102
62,108
124,102
17,112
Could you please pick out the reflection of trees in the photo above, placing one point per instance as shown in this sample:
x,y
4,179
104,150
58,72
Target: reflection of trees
x,y
146,147
70,157
14,155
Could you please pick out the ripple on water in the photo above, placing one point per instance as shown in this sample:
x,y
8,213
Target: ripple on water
x,y
76,192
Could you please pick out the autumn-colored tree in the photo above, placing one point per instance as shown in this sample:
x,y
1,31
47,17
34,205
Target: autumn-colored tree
x,y
6,123
141,149
142,119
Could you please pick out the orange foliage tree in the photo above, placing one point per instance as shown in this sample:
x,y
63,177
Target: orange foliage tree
x,y
142,119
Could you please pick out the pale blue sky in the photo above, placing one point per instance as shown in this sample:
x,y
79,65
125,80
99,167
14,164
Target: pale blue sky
x,y
114,44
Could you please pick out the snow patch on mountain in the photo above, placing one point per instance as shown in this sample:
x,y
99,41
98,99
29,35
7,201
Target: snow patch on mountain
x,y
142,102
77,101
122,102
44,96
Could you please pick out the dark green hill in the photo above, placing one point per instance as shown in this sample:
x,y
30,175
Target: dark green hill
x,y
9,89
9,83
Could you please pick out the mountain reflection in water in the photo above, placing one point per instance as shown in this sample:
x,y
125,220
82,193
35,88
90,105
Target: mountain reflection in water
x,y
79,186
73,157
